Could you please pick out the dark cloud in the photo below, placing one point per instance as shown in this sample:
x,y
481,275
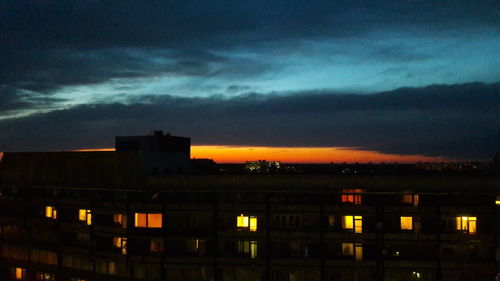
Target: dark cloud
x,y
46,46
97,24
459,121
10,99
49,44
13,100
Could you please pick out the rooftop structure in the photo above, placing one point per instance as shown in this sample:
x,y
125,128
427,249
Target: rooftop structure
x,y
157,142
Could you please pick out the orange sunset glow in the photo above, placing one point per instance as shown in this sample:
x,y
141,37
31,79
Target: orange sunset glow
x,y
240,154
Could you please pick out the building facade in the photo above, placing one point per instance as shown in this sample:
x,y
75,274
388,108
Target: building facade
x,y
82,216
278,233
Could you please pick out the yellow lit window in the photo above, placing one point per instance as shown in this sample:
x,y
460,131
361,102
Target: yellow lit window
x,y
19,273
246,222
50,212
242,221
406,223
358,224
497,201
148,220
354,223
358,251
353,250
350,196
85,215
117,242
253,224
347,222
124,246
347,249
120,243
466,224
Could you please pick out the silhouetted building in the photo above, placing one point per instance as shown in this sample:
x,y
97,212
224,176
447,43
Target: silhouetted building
x,y
496,164
124,224
204,166
157,142
160,153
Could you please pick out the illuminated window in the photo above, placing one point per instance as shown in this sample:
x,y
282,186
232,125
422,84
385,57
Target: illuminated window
x,y
353,250
120,219
406,223
497,201
50,212
120,243
411,199
358,251
347,249
242,221
19,273
354,223
85,215
416,275
192,245
156,246
148,220
246,222
45,276
466,224
351,196
248,248
253,224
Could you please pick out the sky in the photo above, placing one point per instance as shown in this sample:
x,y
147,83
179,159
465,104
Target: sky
x,y
395,79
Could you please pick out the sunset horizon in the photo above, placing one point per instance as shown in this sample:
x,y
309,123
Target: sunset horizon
x,y
234,154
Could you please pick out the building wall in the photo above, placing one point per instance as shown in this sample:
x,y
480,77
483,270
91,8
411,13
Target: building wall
x,y
298,235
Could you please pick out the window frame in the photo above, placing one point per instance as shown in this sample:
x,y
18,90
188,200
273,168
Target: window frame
x,y
85,215
51,212
19,273
410,199
353,223
247,222
120,219
466,228
147,219
352,196
120,243
356,250
411,223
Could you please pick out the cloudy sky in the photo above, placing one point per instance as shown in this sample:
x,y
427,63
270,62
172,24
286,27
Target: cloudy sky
x,y
403,77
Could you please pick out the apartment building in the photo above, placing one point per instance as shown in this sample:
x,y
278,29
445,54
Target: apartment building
x,y
110,220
